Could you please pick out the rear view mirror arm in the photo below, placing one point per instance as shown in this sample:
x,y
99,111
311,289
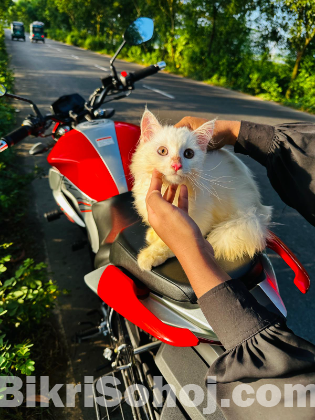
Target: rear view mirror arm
x,y
20,98
116,53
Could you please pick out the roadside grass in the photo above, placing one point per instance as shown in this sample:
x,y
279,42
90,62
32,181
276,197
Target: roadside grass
x,y
30,340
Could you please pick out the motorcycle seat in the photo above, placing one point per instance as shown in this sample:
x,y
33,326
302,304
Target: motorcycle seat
x,y
111,216
169,279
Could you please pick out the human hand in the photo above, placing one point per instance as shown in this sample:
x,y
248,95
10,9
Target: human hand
x,y
181,234
192,123
225,132
173,224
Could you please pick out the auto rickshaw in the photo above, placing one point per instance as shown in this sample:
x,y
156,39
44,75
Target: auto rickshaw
x,y
17,30
37,32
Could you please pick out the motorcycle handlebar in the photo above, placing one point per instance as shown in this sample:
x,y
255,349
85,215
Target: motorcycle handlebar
x,y
141,74
17,135
21,133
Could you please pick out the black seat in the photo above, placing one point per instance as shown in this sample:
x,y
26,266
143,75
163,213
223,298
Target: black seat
x,y
110,217
169,279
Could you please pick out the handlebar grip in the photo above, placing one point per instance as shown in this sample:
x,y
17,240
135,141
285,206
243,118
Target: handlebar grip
x,y
141,74
16,136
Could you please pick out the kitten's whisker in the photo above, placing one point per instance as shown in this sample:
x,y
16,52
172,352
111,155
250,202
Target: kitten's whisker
x,y
204,187
193,186
212,169
200,185
214,179
223,186
197,172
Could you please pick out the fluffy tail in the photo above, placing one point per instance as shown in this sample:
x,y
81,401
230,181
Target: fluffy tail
x,y
244,234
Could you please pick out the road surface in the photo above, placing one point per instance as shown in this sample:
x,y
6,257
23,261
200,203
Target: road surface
x,y
43,72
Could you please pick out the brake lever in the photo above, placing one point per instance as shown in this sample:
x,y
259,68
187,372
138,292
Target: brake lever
x,y
125,95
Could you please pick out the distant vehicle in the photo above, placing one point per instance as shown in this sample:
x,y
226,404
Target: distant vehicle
x,y
17,30
37,32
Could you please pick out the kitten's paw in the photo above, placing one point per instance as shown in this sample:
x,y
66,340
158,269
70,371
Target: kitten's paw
x,y
145,260
151,236
152,257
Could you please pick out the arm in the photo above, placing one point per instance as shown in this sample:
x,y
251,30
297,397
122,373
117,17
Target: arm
x,y
287,151
260,349
228,306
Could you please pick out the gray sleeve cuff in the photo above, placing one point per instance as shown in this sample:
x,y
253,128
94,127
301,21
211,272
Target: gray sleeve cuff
x,y
233,313
255,140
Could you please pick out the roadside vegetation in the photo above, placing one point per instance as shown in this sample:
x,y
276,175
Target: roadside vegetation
x,y
261,47
29,342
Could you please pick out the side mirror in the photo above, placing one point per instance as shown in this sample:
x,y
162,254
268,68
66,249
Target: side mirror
x,y
3,90
140,31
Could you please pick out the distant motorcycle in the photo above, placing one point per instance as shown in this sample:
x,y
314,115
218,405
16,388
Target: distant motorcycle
x,y
154,322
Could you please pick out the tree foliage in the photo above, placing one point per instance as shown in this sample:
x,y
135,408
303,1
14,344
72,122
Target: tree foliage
x,y
257,46
301,14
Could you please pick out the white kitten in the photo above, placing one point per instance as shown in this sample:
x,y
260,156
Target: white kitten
x,y
224,199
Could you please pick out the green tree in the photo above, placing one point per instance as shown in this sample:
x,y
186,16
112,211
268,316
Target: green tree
x,y
301,16
4,6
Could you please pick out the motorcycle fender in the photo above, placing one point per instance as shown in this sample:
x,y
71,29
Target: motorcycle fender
x,y
92,279
184,366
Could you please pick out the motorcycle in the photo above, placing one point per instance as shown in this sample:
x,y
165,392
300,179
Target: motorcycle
x,y
152,319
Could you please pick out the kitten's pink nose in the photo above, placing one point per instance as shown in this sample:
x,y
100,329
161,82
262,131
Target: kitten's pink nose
x,y
176,165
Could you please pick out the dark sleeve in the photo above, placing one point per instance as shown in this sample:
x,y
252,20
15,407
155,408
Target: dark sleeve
x,y
261,353
288,153
258,343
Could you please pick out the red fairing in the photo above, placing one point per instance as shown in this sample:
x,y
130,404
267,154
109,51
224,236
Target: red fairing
x,y
120,293
127,136
76,158
302,279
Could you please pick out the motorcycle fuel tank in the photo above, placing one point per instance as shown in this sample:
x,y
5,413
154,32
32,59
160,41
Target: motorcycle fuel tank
x,y
95,157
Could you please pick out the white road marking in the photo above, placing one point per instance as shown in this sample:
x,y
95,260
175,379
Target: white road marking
x,y
101,68
161,92
53,48
75,56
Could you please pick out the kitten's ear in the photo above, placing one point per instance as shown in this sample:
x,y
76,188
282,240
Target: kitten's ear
x,y
149,126
204,134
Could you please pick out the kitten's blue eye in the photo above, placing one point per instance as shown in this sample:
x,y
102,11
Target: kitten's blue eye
x,y
162,150
189,153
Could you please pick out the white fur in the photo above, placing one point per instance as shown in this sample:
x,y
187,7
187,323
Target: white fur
x,y
224,199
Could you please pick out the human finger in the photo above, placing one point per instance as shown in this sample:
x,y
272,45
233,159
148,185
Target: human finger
x,y
184,122
170,193
158,204
183,198
192,123
156,182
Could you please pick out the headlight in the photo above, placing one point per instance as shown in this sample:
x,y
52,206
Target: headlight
x,y
61,130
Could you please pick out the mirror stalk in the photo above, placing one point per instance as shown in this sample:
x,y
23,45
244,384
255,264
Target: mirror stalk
x,y
20,98
116,53
111,63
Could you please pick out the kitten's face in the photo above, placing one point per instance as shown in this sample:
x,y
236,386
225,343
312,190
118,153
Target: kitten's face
x,y
175,152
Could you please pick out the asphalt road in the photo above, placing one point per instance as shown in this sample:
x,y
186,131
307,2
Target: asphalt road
x,y
43,72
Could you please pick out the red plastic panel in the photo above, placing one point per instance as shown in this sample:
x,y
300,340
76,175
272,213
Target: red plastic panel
x,y
75,157
302,279
120,293
127,136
